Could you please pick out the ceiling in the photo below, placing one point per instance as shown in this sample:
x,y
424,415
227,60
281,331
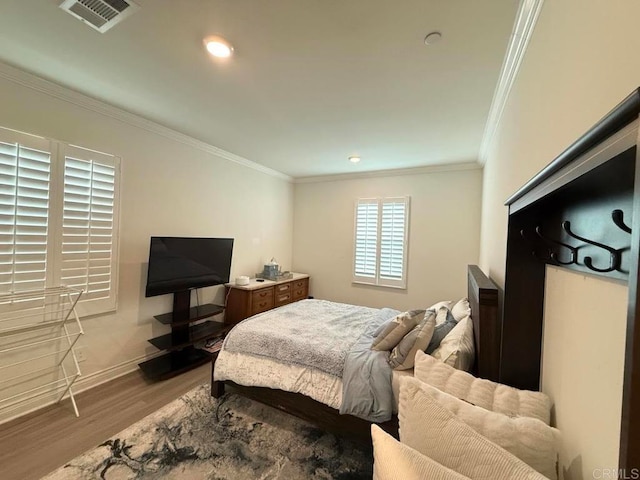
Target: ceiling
x,y
311,82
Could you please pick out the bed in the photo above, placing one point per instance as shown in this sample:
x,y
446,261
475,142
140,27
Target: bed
x,y
324,409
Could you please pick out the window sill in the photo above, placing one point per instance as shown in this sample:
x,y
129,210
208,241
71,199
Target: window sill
x,y
377,285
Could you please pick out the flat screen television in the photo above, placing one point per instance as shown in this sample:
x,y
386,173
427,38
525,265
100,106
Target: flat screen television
x,y
179,264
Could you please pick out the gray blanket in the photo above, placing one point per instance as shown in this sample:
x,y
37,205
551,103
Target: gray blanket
x,y
327,336
366,380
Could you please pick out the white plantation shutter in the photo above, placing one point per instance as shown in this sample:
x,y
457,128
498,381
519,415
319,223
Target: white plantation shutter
x,y
25,170
393,239
89,229
366,243
381,241
58,219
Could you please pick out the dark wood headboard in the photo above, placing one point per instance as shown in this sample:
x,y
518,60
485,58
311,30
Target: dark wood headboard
x,y
483,296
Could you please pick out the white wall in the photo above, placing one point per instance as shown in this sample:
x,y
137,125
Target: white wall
x,y
443,236
582,368
580,64
168,188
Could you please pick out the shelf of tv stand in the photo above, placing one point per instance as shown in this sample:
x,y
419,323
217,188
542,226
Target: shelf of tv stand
x,y
195,314
180,354
191,335
174,363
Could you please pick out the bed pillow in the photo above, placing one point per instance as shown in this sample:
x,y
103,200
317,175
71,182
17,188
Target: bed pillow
x,y
434,431
444,324
403,355
437,306
480,392
461,309
529,439
395,330
458,347
394,461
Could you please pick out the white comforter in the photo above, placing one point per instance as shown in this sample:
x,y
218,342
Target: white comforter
x,y
264,372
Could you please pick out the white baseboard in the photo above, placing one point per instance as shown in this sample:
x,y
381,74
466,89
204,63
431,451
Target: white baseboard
x,y
85,382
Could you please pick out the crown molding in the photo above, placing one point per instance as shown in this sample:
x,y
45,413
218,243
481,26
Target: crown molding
x,y
52,89
525,23
453,167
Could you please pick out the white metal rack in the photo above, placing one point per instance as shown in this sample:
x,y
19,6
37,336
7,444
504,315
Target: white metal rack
x,y
38,332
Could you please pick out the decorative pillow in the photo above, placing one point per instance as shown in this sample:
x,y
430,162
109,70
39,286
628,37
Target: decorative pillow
x,y
529,439
480,392
458,348
403,355
434,431
443,327
461,309
394,461
397,329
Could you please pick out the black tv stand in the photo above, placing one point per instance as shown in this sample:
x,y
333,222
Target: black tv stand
x,y
179,344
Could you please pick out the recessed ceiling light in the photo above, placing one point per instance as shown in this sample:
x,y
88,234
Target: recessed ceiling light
x,y
432,38
354,158
218,47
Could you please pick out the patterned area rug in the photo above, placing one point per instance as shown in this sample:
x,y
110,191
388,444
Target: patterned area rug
x,y
197,437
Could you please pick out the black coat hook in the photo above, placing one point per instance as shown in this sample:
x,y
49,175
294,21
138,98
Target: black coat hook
x,y
616,257
533,251
618,218
554,255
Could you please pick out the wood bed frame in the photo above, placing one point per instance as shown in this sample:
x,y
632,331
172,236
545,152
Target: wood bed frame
x,y
484,301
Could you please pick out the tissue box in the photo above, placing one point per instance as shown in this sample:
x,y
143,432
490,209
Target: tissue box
x,y
271,272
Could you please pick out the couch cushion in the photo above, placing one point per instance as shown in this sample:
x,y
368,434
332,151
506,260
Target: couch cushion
x,y
394,461
529,439
434,431
483,393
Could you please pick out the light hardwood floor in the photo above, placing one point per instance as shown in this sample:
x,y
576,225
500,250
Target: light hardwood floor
x,y
38,443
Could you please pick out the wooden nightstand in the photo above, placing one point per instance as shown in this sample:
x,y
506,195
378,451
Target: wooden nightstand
x,y
257,297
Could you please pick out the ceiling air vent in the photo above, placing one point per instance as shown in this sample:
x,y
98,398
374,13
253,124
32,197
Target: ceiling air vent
x,y
100,14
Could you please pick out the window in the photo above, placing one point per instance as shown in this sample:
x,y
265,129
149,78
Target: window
x,y
381,237
58,219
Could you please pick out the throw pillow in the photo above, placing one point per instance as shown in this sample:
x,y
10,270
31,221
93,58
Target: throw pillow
x,y
529,439
432,430
396,330
483,393
382,326
443,327
394,461
458,347
403,355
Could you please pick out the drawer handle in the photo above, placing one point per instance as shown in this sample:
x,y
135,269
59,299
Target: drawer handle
x,y
264,294
283,287
299,293
282,298
263,304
